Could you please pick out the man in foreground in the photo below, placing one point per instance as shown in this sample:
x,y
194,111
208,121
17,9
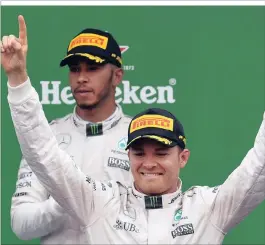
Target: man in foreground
x,y
94,134
153,210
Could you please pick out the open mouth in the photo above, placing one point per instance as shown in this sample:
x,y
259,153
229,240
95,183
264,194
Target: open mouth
x,y
151,174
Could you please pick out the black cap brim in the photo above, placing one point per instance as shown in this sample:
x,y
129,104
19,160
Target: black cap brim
x,y
93,58
157,138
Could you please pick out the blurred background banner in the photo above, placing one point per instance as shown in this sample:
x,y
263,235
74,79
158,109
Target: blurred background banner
x,y
205,64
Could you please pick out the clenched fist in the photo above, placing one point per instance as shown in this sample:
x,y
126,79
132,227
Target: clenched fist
x,y
14,53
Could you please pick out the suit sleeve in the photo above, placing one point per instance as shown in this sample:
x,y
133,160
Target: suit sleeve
x,y
80,196
244,189
33,213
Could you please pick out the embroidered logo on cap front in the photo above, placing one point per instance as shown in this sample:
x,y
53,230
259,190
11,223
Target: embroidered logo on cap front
x,y
89,39
148,121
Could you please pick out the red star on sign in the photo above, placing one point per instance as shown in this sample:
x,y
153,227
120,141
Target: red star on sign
x,y
124,49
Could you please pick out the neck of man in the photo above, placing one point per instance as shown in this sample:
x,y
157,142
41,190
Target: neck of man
x,y
98,113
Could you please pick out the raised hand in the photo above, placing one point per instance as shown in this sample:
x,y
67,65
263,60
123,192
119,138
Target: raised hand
x,y
14,54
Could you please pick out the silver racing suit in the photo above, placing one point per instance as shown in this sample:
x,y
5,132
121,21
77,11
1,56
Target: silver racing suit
x,y
97,150
110,213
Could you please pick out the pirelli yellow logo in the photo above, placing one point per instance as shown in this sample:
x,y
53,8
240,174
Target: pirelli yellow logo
x,y
89,39
152,121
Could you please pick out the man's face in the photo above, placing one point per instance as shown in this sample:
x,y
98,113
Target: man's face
x,y
93,84
155,167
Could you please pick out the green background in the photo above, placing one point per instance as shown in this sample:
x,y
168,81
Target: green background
x,y
216,55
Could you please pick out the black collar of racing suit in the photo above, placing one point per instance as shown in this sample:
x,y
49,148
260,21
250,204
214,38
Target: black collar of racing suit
x,y
156,202
95,129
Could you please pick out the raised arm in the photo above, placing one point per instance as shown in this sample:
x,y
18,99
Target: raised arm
x,y
54,168
244,189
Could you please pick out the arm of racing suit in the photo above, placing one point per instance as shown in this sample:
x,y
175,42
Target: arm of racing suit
x,y
55,169
244,189
33,213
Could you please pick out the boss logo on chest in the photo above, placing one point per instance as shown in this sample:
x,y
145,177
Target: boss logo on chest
x,y
183,230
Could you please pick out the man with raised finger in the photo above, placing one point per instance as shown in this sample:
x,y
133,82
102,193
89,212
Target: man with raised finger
x,y
94,134
153,209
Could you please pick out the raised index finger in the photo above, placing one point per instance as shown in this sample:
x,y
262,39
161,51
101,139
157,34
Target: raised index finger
x,y
22,30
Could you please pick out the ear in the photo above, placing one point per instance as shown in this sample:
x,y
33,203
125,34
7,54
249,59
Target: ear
x,y
117,76
184,157
129,154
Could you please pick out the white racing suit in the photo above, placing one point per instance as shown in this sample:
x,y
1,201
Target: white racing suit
x,y
110,213
33,213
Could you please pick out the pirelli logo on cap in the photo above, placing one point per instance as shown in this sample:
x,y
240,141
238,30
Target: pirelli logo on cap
x,y
89,39
152,121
